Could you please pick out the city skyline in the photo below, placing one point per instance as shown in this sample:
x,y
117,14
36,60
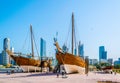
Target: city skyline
x,y
96,21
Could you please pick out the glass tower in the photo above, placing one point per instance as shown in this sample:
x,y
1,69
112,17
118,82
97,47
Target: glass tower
x,y
81,50
6,44
5,56
1,60
42,47
64,48
102,53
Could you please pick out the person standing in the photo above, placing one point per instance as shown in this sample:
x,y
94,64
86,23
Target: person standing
x,y
57,74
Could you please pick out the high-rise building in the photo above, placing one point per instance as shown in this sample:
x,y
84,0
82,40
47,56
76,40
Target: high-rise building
x,y
4,54
12,49
42,47
110,60
75,51
64,48
93,61
6,44
117,62
102,54
81,50
5,58
1,60
105,55
101,51
11,60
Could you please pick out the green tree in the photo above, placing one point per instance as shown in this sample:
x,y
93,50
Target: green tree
x,y
97,66
117,66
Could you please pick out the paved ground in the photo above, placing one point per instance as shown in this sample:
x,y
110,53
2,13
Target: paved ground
x,y
52,78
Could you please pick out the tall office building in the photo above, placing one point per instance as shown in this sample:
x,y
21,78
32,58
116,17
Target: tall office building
x,y
93,61
110,60
102,54
64,48
11,60
1,60
42,47
5,58
105,55
6,44
4,54
75,51
101,51
12,49
117,62
81,50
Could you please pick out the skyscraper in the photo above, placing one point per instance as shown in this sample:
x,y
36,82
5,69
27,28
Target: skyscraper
x,y
42,47
75,51
105,55
1,60
6,44
110,60
12,49
64,48
81,50
93,61
102,53
11,60
5,58
4,54
117,62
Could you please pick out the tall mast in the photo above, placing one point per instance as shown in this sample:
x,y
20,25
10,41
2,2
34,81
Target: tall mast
x,y
32,48
72,33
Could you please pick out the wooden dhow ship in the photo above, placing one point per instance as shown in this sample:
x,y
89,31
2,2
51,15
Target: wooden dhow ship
x,y
25,60
69,62
29,62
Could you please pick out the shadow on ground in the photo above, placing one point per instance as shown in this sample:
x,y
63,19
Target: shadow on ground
x,y
41,74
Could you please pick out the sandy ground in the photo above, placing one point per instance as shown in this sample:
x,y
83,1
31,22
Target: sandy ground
x,y
52,78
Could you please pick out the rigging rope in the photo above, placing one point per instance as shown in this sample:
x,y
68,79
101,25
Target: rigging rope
x,y
77,33
35,45
69,30
23,47
24,44
75,38
76,41
67,41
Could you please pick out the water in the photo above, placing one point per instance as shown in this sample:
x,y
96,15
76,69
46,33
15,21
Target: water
x,y
107,82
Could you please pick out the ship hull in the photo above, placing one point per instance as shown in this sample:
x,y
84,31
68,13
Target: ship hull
x,y
26,68
71,63
25,61
31,65
73,69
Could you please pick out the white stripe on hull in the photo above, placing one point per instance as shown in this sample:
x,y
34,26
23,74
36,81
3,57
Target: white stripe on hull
x,y
73,69
30,68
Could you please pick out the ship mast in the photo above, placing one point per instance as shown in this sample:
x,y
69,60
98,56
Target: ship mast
x,y
32,48
72,33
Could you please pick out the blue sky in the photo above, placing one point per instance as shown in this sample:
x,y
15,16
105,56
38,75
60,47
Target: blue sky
x,y
97,23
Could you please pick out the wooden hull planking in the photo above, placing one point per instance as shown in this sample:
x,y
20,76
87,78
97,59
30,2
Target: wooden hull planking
x,y
25,61
73,69
71,63
30,68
